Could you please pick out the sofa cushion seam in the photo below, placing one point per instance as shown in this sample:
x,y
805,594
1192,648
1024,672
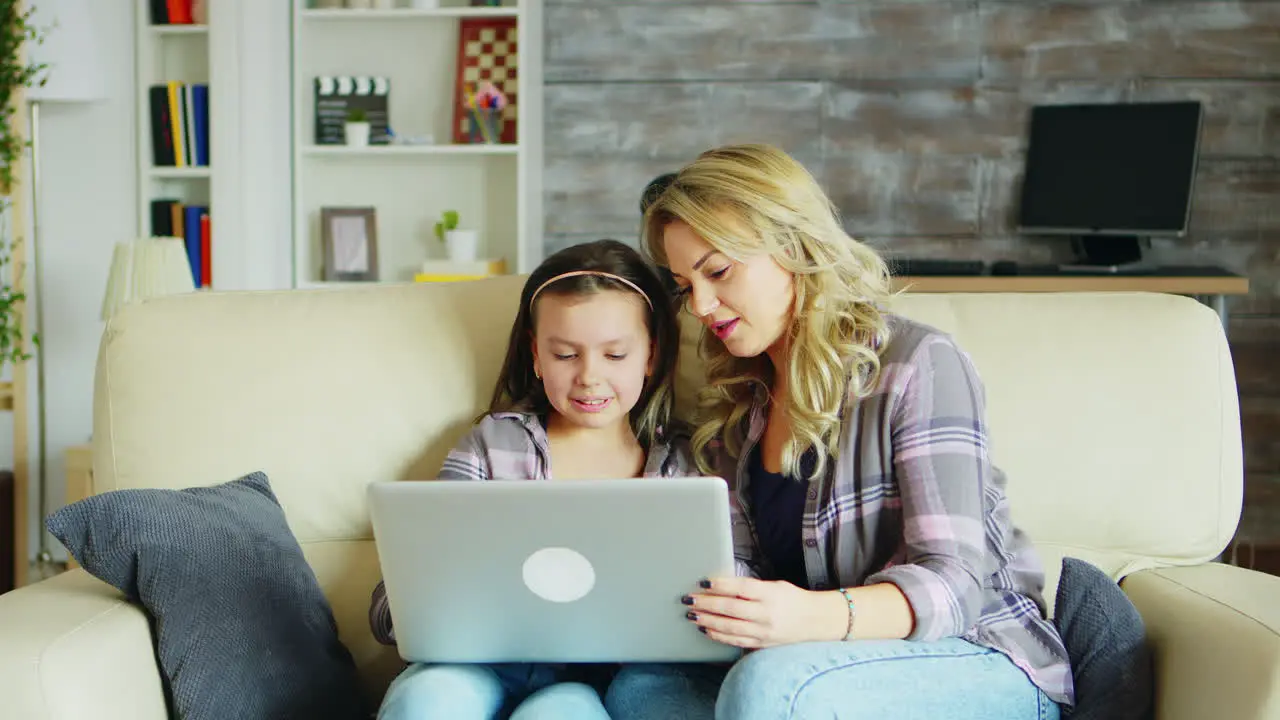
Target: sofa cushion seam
x,y
57,641
1274,631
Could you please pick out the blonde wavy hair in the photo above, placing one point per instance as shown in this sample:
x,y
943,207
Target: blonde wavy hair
x,y
753,199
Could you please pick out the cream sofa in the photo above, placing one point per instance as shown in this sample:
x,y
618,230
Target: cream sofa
x,y
1115,416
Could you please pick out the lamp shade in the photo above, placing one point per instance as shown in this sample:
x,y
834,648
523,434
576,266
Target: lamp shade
x,y
70,51
145,268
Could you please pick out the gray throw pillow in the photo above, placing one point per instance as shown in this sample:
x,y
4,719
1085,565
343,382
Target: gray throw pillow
x,y
1106,641
241,626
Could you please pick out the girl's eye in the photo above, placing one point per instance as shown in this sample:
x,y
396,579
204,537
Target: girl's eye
x,y
565,357
617,357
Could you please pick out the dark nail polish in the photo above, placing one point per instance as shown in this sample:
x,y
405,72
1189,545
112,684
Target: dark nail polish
x,y
705,584
686,600
702,630
691,615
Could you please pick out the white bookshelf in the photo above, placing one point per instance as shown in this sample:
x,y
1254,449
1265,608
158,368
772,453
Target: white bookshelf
x,y
409,150
495,188
401,13
164,30
180,173
166,53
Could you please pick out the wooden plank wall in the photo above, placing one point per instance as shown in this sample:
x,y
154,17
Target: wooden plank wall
x,y
912,113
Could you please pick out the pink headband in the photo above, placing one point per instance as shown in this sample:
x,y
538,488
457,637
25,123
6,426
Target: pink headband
x,y
597,273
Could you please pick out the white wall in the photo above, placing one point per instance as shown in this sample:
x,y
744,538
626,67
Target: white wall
x,y
88,199
251,125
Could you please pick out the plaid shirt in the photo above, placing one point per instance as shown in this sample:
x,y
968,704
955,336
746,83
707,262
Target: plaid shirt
x,y
513,446
914,500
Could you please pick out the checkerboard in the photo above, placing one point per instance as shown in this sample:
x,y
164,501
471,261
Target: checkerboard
x,y
487,50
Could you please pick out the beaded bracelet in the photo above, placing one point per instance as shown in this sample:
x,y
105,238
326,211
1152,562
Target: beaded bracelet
x,y
848,633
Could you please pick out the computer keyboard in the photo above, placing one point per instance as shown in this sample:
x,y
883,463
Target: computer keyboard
x,y
919,267
1010,268
1191,271
943,267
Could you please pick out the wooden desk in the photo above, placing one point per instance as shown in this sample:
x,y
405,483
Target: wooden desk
x,y
1214,290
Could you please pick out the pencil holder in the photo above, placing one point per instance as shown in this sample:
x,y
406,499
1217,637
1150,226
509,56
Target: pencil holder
x,y
486,125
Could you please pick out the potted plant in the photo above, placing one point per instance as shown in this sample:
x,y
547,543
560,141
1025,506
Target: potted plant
x,y
15,73
357,128
461,245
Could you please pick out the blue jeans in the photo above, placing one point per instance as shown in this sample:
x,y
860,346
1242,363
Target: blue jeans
x,y
860,680
518,691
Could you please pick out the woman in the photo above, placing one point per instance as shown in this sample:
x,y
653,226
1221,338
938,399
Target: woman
x,y
884,576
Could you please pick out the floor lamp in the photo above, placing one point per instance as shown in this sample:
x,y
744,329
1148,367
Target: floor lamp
x,y
73,71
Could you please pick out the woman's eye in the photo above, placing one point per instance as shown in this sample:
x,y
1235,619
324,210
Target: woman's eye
x,y
682,291
617,357
565,357
717,274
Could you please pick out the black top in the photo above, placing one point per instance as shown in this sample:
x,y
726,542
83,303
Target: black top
x,y
777,506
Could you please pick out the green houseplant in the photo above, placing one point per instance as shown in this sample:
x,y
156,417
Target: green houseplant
x,y
448,221
16,73
357,127
461,245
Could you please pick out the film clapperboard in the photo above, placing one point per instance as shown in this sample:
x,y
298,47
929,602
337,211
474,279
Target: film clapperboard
x,y
337,95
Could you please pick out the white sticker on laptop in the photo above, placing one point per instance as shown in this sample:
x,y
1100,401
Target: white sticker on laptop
x,y
559,574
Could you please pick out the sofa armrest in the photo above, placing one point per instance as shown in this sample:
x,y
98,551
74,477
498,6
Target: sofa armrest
x,y
73,647
1214,631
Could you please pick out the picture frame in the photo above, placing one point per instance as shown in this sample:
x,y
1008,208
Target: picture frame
x,y
349,237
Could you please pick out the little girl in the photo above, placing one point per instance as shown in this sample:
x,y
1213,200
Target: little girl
x,y
586,391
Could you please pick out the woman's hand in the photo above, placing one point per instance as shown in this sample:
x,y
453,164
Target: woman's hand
x,y
750,613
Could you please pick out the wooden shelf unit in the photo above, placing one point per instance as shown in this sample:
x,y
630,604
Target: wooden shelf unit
x,y
1231,285
496,189
17,397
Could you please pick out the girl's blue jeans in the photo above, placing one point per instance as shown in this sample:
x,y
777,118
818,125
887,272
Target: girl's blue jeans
x,y
860,680
518,691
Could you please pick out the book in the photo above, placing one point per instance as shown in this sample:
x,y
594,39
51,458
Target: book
x,y
452,271
485,266
179,124
190,222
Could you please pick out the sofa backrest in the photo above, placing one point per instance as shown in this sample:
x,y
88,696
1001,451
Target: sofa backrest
x,y
1115,415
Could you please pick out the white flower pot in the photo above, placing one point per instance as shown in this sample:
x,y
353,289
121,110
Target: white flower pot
x,y
357,134
462,245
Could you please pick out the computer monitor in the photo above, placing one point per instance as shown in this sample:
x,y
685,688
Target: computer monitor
x,y
1111,176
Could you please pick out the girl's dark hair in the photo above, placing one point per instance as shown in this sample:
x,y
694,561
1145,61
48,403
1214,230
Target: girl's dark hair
x,y
518,388
655,188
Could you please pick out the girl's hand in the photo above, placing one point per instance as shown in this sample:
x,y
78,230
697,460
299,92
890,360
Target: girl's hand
x,y
750,613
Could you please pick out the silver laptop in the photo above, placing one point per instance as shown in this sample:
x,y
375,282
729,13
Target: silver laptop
x,y
551,571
